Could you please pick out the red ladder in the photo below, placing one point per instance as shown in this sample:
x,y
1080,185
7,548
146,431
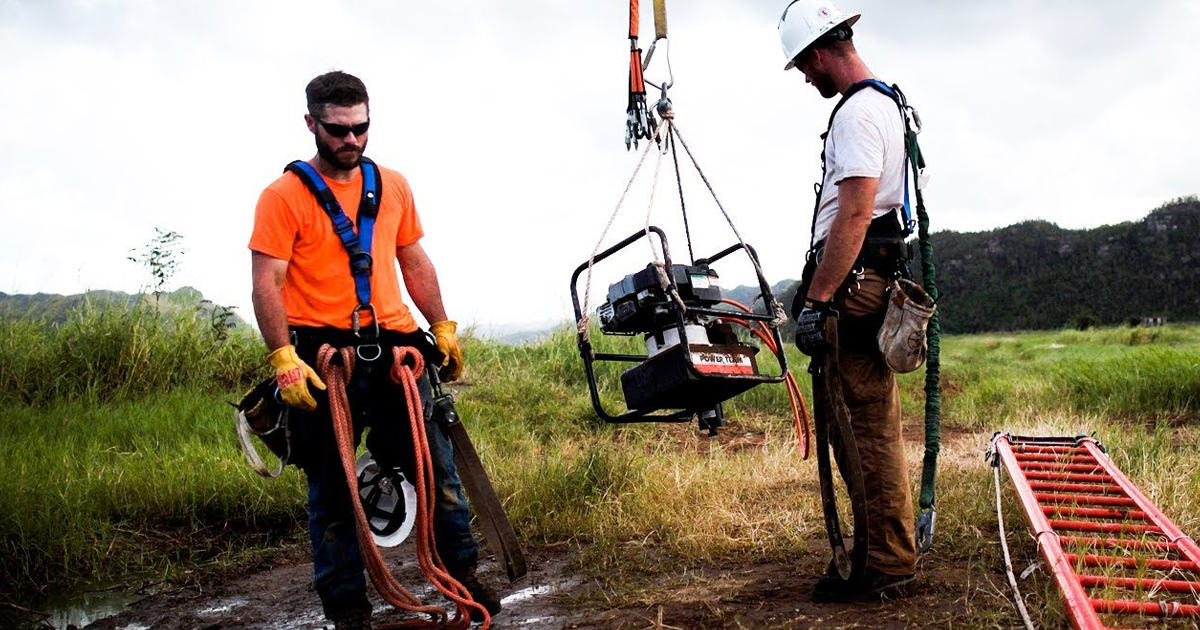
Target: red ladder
x,y
1072,493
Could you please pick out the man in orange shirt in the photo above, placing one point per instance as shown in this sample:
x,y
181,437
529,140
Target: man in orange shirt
x,y
305,296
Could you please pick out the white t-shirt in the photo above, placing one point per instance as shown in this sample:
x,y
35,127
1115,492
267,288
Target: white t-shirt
x,y
866,140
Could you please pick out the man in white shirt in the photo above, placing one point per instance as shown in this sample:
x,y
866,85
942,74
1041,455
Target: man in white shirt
x,y
861,197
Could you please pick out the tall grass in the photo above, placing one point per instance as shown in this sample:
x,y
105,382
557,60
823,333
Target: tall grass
x,y
119,454
105,474
116,351
91,489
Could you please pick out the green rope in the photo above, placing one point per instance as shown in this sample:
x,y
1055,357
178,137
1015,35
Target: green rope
x,y
933,395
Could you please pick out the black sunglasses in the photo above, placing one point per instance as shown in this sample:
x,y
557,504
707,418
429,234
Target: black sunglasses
x,y
341,131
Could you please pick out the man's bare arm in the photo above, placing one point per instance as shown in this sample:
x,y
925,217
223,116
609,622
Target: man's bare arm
x,y
856,203
267,276
420,280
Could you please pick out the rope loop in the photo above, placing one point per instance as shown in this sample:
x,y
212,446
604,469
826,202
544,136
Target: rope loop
x,y
406,358
330,359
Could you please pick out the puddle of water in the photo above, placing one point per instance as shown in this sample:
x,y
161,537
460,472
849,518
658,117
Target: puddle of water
x,y
540,621
526,593
541,589
224,608
81,609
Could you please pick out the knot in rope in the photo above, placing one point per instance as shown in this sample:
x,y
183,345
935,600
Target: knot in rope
x,y
665,282
406,359
779,313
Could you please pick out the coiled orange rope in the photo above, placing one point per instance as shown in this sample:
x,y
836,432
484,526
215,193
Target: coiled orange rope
x,y
799,411
407,364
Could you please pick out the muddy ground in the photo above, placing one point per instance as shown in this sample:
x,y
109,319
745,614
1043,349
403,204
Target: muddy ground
x,y
278,595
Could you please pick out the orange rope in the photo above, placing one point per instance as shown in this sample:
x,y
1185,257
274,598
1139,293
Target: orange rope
x,y
336,377
407,364
799,410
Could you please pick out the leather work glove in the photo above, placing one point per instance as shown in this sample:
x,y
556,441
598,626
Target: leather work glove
x,y
292,377
810,327
447,343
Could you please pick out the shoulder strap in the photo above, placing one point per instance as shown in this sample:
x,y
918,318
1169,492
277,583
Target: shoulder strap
x,y
358,245
855,89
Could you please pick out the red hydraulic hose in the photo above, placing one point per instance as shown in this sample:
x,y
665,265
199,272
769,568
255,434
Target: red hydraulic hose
x,y
799,411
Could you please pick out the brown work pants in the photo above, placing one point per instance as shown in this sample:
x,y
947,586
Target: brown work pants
x,y
869,387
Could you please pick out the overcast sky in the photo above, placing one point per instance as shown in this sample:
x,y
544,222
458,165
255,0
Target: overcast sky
x,y
507,117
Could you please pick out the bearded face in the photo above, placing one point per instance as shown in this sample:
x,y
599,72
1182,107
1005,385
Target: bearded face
x,y
334,133
815,74
342,155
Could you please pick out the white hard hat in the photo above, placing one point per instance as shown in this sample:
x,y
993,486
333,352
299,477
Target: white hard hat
x,y
803,21
389,500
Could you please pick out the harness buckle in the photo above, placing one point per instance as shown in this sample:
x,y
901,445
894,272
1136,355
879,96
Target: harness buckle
x,y
360,263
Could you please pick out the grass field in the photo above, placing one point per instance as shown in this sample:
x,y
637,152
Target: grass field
x,y
120,456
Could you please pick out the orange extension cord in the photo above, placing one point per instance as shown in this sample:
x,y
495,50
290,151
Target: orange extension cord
x,y
407,364
799,411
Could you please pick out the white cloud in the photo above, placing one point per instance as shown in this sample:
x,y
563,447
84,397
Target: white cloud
x,y
507,118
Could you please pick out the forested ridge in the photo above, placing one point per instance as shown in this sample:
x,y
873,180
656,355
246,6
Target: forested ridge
x,y
1035,275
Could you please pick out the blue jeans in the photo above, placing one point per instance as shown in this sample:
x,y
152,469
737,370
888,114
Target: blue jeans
x,y
378,403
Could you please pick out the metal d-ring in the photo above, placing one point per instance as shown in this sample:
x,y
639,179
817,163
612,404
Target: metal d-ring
x,y
367,357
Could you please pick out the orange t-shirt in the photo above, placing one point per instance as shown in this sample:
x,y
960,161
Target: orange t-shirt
x,y
318,290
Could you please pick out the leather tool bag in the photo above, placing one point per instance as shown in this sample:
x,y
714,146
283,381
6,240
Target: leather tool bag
x,y
902,338
260,413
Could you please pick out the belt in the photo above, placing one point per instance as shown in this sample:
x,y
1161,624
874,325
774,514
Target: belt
x,y
878,252
309,339
884,246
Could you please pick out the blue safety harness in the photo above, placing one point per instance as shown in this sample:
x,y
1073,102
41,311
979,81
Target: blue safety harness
x,y
357,244
913,160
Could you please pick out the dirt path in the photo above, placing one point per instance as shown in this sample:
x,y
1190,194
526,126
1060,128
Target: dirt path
x,y
724,594
278,595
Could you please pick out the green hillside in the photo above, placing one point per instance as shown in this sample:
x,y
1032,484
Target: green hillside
x,y
1038,276
56,309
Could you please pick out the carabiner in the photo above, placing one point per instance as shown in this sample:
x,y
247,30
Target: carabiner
x,y
355,322
926,524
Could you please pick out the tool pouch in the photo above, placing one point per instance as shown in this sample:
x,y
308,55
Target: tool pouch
x,y
262,414
902,338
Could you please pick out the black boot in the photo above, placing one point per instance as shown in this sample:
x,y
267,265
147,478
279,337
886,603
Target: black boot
x,y
480,592
872,585
357,620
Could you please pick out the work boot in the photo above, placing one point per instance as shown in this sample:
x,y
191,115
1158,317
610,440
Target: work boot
x,y
480,592
357,620
872,585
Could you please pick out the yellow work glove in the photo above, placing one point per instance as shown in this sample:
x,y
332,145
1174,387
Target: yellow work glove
x,y
292,376
443,332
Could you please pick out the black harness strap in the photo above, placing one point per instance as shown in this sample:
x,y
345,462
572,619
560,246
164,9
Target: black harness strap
x,y
896,95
